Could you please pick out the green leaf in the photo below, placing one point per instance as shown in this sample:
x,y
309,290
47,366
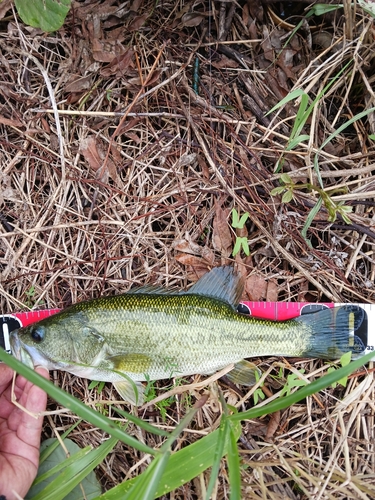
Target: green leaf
x,y
182,467
296,141
235,218
287,196
219,452
243,220
277,190
245,246
49,15
301,117
320,9
286,178
372,137
237,246
309,220
290,97
368,7
234,465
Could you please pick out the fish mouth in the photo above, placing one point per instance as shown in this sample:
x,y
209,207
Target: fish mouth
x,y
19,350
28,355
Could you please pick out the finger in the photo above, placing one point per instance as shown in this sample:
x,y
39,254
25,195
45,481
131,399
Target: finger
x,y
6,375
34,400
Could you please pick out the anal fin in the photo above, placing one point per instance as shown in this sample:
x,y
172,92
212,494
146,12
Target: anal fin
x,y
130,391
244,373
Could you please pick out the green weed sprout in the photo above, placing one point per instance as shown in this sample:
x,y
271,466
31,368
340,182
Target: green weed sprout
x,y
241,241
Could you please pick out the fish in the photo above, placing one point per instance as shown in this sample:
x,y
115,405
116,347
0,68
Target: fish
x,y
152,333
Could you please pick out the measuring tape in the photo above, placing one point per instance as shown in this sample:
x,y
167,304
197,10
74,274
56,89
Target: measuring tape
x,y
275,311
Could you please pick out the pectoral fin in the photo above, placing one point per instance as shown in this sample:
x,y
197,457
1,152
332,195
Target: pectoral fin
x,y
130,391
133,363
244,373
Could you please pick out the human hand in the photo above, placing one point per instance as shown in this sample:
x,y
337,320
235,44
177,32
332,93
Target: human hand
x,y
19,433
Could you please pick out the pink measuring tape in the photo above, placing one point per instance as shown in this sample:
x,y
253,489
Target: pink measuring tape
x,y
275,311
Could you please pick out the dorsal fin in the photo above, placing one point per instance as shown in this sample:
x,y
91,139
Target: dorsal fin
x,y
153,289
222,283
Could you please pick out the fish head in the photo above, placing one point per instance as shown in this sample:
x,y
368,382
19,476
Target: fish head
x,y
59,342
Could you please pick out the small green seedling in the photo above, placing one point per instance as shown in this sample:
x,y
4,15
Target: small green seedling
x,y
292,381
258,394
241,241
344,361
99,386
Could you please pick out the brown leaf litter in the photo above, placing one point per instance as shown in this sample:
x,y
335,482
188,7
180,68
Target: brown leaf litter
x,y
158,132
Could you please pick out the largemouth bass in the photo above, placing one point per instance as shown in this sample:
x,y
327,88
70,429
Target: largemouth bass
x,y
152,333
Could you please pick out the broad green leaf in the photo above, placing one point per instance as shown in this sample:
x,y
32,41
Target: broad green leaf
x,y
46,452
49,15
287,196
56,461
277,190
286,178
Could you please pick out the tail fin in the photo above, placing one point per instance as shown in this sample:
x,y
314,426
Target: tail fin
x,y
333,331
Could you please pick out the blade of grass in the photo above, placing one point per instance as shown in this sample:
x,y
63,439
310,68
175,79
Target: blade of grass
x,y
48,451
309,220
219,452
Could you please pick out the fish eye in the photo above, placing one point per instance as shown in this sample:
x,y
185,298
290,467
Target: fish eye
x,y
37,334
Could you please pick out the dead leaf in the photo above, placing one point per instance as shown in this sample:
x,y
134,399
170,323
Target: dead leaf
x,y
121,65
78,83
273,425
10,122
222,236
95,155
127,126
225,62
272,291
137,81
256,287
256,9
135,5
88,148
5,5
285,61
187,246
191,19
138,22
191,260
